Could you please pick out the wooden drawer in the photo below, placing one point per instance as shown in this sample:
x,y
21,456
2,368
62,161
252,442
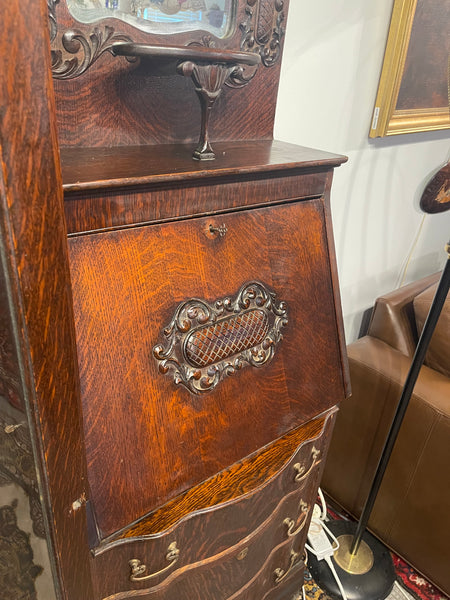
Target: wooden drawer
x,y
220,531
149,439
224,573
280,578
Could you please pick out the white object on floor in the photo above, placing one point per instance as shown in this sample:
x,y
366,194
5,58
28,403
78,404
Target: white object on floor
x,y
398,593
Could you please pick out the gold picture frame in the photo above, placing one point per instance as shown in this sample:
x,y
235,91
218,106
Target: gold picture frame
x,y
413,92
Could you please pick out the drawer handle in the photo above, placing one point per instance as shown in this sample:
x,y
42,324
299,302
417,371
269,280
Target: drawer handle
x,y
300,470
281,574
138,569
304,508
221,230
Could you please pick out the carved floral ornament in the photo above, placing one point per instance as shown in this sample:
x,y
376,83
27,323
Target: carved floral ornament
x,y
205,343
75,49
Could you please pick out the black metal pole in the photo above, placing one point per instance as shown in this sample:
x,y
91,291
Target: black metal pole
x,y
419,356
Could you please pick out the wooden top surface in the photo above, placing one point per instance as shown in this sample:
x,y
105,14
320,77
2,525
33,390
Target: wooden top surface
x,y
93,168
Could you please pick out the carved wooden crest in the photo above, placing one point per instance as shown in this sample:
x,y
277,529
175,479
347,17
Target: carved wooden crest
x,y
204,343
263,29
256,26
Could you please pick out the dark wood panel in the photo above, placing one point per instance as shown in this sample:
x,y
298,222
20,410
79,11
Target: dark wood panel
x,y
127,285
123,208
36,252
107,188
336,291
17,460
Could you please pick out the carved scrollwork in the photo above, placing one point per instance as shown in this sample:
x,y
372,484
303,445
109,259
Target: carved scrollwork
x,y
51,5
263,29
262,32
85,50
204,343
76,51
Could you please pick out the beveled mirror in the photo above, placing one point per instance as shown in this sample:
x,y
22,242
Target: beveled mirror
x,y
160,16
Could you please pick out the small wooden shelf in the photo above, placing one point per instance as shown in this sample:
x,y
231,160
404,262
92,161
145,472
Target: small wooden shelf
x,y
120,166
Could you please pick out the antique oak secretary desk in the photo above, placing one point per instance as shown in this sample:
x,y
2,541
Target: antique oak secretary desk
x,y
171,340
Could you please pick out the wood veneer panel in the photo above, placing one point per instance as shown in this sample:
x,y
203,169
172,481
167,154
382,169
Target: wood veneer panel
x,y
35,248
147,439
241,478
221,575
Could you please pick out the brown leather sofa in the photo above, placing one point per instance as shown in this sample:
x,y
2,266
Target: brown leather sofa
x,y
412,510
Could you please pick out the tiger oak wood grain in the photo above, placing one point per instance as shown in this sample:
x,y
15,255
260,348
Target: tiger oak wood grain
x,y
36,252
156,457
204,534
200,567
126,286
218,575
241,479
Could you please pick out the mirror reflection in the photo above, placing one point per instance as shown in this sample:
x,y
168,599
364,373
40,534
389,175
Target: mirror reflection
x,y
159,16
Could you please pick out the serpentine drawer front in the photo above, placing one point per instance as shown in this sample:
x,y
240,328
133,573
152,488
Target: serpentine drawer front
x,y
211,340
204,534
223,574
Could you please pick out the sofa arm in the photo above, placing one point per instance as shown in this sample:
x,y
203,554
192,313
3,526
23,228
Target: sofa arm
x,y
408,512
393,318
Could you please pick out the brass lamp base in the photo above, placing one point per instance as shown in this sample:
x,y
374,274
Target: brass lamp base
x,y
367,575
356,564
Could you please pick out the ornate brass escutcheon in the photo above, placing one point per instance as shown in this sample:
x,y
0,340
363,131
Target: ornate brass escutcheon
x,y
207,342
138,569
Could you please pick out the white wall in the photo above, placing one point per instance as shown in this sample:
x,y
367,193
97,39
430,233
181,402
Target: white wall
x,y
331,66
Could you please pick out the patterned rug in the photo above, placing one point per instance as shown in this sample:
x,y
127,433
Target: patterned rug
x,y
409,585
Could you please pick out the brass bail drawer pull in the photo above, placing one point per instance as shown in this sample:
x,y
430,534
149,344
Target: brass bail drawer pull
x,y
221,230
290,523
300,470
281,574
138,569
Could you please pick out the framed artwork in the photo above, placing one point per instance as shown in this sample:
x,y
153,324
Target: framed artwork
x,y
413,92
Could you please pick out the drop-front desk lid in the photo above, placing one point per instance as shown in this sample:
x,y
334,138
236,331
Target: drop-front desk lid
x,y
204,338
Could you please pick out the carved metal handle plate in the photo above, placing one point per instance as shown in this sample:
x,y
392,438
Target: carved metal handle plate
x,y
204,343
301,472
138,569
